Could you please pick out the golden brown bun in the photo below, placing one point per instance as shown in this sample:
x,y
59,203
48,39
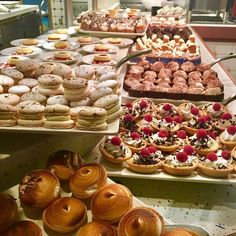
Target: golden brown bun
x,y
102,58
111,202
65,215
141,221
87,180
192,131
145,169
229,144
29,42
8,211
23,228
39,188
179,232
63,163
181,171
96,229
205,151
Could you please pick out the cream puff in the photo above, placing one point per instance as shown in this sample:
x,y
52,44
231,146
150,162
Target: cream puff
x,y
228,137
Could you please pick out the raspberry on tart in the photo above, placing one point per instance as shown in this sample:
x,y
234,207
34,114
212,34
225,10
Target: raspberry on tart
x,y
228,137
188,110
226,119
143,106
127,123
214,109
165,109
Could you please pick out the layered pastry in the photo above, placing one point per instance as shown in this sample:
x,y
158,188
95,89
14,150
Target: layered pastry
x,y
182,162
101,48
196,123
133,140
228,137
127,123
148,160
63,164
179,232
110,203
143,221
217,164
8,211
30,42
87,180
164,141
61,44
39,188
203,143
224,121
114,150
102,58
143,106
165,109
188,110
24,50
215,110
95,228
65,215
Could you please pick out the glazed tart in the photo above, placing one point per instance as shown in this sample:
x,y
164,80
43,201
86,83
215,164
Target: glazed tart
x,y
114,150
215,110
182,162
228,137
188,110
217,164
143,106
165,109
148,160
224,121
127,123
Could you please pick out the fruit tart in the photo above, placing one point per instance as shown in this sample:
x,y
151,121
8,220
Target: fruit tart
x,y
127,123
203,143
224,121
148,160
182,137
164,141
145,121
165,109
143,106
133,140
188,110
146,133
114,150
182,162
196,123
216,164
215,109
228,137
128,108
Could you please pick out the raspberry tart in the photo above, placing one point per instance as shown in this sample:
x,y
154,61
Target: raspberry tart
x,y
165,109
224,121
188,110
127,123
215,110
128,108
143,106
146,121
182,137
146,133
228,137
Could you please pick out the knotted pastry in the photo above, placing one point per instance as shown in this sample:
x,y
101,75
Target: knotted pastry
x,y
87,180
65,215
141,221
179,232
97,229
23,228
39,188
63,164
111,202
8,211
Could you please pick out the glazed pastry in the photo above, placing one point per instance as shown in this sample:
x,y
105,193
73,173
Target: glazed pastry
x,y
63,164
133,140
180,232
95,228
143,106
215,110
188,110
182,162
8,211
110,203
228,137
165,109
224,121
127,123
88,179
203,143
114,150
65,215
143,221
217,164
148,160
39,188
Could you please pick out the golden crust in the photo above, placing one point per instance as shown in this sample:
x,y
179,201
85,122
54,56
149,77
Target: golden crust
x,y
168,149
175,129
204,152
192,131
229,144
179,232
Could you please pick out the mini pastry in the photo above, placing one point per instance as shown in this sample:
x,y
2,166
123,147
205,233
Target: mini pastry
x,y
57,99
215,110
111,83
85,40
146,121
228,137
133,140
8,211
114,40
108,76
24,50
224,121
102,58
188,110
85,71
29,82
101,47
127,123
182,137
143,221
8,115
164,141
65,215
61,44
148,160
203,143
37,97
182,162
12,60
217,164
165,109
54,37
88,179
110,203
143,106
128,108
39,188
62,31
62,55
114,150
179,232
30,42
100,92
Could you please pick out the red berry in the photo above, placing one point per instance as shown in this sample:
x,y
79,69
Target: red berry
x,y
212,156
195,111
201,119
167,107
188,149
216,106
213,134
145,152
163,133
143,104
181,134
128,117
208,118
178,119
231,129
168,119
182,156
147,131
152,149
129,105
226,116
226,154
201,133
148,117
116,141
135,135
